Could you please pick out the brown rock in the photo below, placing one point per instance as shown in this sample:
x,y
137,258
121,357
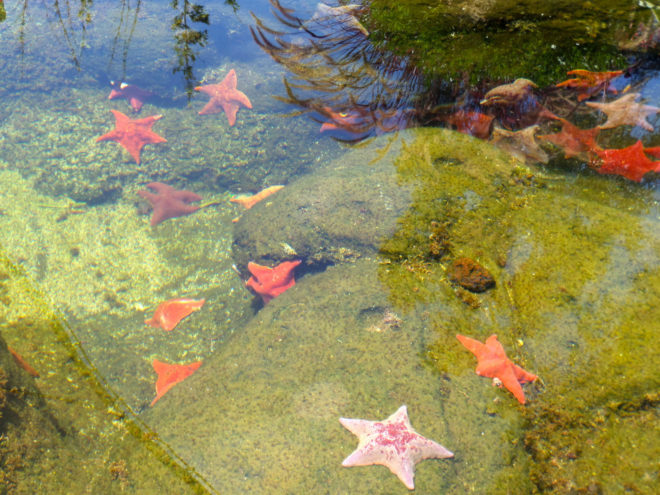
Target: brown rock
x,y
470,275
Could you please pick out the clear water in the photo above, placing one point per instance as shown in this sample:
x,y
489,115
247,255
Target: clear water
x,y
377,209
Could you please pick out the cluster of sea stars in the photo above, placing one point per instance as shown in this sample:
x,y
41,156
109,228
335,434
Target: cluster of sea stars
x,y
133,134
516,105
266,282
395,444
168,202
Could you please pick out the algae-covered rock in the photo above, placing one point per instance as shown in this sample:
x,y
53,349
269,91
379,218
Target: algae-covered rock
x,y
61,432
266,408
577,263
506,39
339,213
360,205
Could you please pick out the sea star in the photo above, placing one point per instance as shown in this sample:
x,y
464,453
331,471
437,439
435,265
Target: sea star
x,y
630,162
589,83
509,94
248,201
271,282
521,144
493,363
169,313
169,202
573,140
393,443
133,134
171,374
224,96
475,124
133,94
625,111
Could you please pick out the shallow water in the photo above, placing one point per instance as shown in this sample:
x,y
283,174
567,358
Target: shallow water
x,y
377,208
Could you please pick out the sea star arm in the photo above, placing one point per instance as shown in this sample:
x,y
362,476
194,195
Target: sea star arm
x,y
522,375
474,346
511,383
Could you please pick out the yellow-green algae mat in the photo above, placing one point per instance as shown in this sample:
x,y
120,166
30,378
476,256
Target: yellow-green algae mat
x,y
62,432
577,263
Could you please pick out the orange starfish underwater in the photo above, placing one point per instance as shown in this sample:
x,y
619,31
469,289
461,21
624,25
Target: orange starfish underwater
x,y
493,363
133,134
224,96
171,374
630,162
271,282
248,201
168,314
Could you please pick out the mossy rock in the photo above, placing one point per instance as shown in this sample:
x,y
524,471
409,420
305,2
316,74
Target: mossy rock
x,y
576,258
505,39
363,204
267,404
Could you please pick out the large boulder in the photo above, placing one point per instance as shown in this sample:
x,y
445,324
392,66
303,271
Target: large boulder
x,y
575,258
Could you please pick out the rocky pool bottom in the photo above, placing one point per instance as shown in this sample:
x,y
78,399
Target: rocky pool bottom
x,y
370,325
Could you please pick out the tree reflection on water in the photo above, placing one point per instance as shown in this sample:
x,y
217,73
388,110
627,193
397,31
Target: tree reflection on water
x,y
75,16
349,84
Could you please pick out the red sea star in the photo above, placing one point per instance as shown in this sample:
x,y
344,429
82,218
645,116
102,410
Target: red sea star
x,y
224,96
493,363
271,282
475,124
573,140
133,94
392,443
169,313
589,83
630,162
171,374
169,202
133,134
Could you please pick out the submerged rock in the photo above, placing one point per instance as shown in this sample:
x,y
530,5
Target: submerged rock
x,y
577,259
471,275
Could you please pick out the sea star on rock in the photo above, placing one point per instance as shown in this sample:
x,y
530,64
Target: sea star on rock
x,y
224,96
470,122
509,94
171,374
271,282
493,363
168,202
168,314
248,201
589,83
133,134
625,111
573,140
521,144
393,443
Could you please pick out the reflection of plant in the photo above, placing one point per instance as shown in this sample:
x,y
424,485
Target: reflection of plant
x,y
336,72
186,37
65,19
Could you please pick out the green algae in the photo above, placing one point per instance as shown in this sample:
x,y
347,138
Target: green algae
x,y
505,40
64,430
578,283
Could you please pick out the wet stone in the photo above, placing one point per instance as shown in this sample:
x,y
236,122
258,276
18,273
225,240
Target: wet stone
x,y
471,275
